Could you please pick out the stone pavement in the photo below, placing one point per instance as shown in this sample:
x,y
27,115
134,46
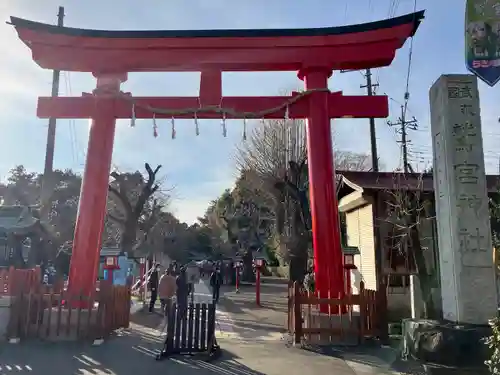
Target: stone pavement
x,y
239,316
250,338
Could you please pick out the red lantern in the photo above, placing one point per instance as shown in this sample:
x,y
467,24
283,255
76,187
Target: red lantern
x,y
349,261
349,253
349,265
259,262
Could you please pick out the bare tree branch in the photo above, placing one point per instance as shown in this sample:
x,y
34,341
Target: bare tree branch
x,y
407,209
148,190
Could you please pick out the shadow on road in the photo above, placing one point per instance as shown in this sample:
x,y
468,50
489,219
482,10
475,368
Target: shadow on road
x,y
132,352
228,364
145,319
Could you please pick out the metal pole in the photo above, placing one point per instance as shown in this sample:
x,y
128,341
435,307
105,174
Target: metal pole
x,y
403,141
373,139
47,182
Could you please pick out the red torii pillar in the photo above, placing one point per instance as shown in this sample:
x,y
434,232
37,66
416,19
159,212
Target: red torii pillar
x,y
324,208
84,265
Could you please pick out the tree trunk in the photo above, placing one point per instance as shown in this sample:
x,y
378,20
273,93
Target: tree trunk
x,y
17,253
38,254
129,237
248,274
34,254
423,275
62,262
298,250
297,268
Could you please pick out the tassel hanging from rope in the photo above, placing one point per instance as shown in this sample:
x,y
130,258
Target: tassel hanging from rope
x,y
132,119
223,123
174,133
244,129
196,125
155,127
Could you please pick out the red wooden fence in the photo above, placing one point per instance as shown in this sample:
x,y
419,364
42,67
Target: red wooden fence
x,y
52,313
363,315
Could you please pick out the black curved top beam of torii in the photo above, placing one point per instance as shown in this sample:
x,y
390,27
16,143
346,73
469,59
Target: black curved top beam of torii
x,y
413,18
367,45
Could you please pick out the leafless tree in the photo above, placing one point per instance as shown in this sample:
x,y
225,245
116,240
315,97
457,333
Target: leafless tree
x,y
408,210
132,195
275,160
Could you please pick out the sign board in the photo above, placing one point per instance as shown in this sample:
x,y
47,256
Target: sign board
x,y
482,39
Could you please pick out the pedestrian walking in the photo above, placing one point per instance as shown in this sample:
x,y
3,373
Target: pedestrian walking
x,y
182,292
167,288
215,283
153,287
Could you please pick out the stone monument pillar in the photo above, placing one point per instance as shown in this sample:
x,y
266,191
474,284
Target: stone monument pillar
x,y
468,287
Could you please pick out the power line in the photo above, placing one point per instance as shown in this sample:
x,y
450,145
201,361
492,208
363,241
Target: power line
x,y
408,72
393,7
404,126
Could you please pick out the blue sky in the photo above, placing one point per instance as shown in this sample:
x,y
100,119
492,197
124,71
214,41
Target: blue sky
x,y
201,167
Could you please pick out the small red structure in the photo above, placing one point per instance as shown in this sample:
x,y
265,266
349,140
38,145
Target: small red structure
x,y
259,263
349,265
111,264
313,53
238,265
142,281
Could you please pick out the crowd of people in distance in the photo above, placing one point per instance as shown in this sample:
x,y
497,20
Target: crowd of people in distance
x,y
174,283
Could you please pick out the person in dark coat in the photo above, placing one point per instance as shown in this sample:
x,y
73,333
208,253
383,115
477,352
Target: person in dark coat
x,y
215,283
154,279
182,291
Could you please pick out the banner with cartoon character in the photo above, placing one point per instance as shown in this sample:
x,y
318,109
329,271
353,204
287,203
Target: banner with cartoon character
x,y
482,39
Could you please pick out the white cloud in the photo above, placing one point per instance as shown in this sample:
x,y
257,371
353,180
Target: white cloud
x,y
188,211
191,202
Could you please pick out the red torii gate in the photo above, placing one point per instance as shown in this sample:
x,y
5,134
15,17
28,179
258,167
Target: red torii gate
x,y
313,53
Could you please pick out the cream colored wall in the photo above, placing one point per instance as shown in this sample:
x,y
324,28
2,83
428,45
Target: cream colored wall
x,y
360,234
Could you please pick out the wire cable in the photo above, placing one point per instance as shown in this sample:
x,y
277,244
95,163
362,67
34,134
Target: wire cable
x,y
408,73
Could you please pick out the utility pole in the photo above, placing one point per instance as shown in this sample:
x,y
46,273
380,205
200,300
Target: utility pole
x,y
373,139
47,182
404,126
